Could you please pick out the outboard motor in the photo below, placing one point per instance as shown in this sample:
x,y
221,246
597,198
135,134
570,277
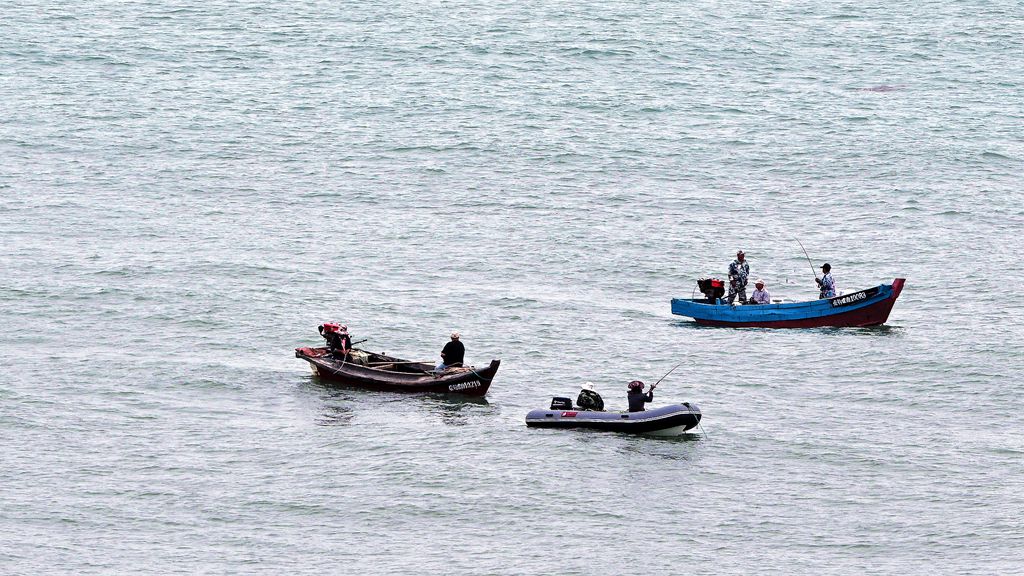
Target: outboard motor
x,y
711,288
559,403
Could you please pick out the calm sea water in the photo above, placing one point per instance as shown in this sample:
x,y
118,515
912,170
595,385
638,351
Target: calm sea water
x,y
188,188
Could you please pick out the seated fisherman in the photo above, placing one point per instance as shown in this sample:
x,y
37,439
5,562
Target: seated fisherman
x,y
636,396
589,399
760,295
452,354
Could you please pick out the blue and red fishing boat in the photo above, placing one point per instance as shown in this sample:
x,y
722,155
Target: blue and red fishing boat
x,y
869,307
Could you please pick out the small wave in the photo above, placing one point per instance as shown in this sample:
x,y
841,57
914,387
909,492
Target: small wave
x,y
733,110
881,88
996,156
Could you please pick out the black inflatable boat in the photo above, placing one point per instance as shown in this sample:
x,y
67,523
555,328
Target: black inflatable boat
x,y
670,420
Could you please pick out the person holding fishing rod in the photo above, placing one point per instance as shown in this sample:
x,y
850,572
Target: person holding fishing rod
x,y
826,283
636,396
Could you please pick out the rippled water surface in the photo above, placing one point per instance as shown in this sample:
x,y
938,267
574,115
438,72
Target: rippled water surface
x,y
188,188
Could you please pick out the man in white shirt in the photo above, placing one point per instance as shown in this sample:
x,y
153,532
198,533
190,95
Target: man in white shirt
x,y
760,295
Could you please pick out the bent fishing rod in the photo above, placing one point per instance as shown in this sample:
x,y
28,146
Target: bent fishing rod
x,y
666,375
808,257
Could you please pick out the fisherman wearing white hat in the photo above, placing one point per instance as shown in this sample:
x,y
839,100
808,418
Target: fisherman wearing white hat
x,y
738,272
452,354
760,295
589,399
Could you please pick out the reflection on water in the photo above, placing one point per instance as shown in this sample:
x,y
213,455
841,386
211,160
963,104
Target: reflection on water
x,y
456,411
338,403
882,330
868,331
679,448
335,415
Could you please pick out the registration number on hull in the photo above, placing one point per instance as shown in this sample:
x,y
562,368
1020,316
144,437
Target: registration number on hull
x,y
854,298
464,386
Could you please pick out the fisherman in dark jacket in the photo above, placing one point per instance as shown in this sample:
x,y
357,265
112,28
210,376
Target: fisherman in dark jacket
x,y
452,354
636,396
589,399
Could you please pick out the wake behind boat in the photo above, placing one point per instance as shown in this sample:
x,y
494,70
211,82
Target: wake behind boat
x,y
869,307
374,371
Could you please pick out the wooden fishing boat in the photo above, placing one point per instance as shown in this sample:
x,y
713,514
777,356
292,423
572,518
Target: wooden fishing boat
x,y
670,420
380,372
869,307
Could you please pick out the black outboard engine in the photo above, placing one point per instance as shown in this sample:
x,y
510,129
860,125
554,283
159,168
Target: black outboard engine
x,y
711,288
559,403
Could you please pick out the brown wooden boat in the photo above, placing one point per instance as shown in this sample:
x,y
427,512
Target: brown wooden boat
x,y
374,371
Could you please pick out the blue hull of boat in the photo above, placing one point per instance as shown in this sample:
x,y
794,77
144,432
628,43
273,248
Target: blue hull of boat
x,y
869,307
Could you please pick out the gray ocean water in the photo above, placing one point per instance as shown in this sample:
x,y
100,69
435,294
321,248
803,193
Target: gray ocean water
x,y
188,188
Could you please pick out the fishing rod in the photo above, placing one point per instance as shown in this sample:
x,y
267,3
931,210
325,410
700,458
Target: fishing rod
x,y
808,257
666,375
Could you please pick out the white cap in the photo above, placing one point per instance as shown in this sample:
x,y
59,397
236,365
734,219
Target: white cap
x,y
759,281
455,335
588,386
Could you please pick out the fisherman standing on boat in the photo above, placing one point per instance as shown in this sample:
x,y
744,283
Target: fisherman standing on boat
x,y
338,340
738,272
760,295
826,283
589,399
452,354
636,396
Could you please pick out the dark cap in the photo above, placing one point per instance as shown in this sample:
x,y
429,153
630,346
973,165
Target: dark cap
x,y
826,267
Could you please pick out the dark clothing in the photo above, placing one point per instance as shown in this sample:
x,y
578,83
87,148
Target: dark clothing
x,y
590,400
453,353
339,343
637,400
